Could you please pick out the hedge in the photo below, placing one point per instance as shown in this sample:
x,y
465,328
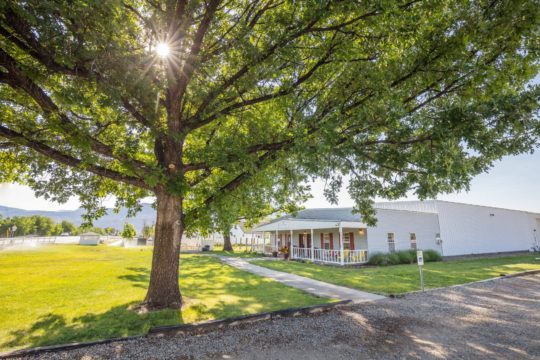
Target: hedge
x,y
402,257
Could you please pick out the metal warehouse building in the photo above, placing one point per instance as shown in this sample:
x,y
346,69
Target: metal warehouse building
x,y
337,235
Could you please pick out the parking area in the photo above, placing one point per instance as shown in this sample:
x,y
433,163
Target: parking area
x,y
497,319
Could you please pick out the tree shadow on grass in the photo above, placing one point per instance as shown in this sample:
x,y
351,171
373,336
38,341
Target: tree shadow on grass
x,y
213,291
119,321
140,278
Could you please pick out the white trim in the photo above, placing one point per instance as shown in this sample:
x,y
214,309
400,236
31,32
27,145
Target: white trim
x,y
341,252
290,224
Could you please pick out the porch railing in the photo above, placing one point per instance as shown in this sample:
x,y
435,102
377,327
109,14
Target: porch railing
x,y
263,248
330,256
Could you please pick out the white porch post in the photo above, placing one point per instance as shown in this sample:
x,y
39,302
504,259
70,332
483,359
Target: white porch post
x,y
312,247
291,252
341,252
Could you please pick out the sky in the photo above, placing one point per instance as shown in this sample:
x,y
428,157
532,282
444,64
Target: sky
x,y
514,183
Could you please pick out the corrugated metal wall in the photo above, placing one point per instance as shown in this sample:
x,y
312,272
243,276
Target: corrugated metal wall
x,y
402,224
473,229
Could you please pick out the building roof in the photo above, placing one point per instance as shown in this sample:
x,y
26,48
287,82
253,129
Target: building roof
x,y
328,214
347,214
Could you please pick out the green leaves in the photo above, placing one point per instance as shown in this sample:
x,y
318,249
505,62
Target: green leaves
x,y
397,96
128,232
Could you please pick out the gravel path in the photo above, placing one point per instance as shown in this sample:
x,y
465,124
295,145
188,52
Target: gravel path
x,y
311,286
497,320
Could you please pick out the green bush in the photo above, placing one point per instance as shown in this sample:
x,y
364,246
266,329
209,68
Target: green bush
x,y
378,259
406,256
402,257
393,259
431,255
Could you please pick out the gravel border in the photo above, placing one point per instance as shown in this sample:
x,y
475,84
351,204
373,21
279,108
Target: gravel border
x,y
186,329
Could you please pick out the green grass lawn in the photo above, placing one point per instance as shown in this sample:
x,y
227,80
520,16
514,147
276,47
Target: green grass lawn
x,y
404,278
69,293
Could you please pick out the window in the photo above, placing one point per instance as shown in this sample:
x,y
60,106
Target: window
x,y
391,242
326,238
346,241
413,241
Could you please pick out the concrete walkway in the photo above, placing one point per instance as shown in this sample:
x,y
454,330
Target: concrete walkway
x,y
311,286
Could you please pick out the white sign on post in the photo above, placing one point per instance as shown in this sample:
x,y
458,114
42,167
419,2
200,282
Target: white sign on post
x,y
420,260
420,257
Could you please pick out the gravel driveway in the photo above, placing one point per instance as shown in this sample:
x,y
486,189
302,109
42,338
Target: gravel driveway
x,y
497,319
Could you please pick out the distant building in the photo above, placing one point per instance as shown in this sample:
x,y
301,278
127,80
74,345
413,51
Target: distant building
x,y
337,235
89,238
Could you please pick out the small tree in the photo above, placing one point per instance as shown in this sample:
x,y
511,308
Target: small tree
x,y
148,231
68,227
227,244
129,231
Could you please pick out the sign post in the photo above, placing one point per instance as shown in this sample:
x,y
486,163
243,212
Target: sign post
x,y
420,260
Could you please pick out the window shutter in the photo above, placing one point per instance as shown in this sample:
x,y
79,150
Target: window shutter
x,y
351,240
331,241
322,241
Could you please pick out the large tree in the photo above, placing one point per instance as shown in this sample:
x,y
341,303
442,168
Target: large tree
x,y
398,95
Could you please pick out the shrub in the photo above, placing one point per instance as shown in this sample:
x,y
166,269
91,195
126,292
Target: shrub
x,y
402,257
393,259
378,259
406,257
431,255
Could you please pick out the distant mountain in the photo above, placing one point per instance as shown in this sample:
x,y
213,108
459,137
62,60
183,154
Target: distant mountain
x,y
146,216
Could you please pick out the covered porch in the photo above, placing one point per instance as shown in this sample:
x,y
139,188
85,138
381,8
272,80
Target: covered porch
x,y
340,243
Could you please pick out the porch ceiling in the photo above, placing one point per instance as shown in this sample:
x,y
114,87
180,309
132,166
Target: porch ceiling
x,y
305,224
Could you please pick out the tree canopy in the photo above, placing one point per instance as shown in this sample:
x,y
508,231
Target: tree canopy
x,y
34,225
255,97
128,232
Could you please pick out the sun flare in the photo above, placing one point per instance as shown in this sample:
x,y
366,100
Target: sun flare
x,y
163,50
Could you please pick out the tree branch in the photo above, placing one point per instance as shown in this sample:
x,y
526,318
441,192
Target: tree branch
x,y
189,66
18,80
196,123
69,160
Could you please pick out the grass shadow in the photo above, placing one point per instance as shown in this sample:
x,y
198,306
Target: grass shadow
x,y
119,321
140,278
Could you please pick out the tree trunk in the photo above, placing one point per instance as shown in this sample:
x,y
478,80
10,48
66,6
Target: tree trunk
x,y
227,246
163,290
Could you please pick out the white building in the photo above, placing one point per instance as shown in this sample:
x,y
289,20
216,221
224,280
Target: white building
x,y
336,235
89,238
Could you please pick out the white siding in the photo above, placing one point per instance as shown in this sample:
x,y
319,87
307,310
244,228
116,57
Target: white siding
x,y
402,223
464,229
472,229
